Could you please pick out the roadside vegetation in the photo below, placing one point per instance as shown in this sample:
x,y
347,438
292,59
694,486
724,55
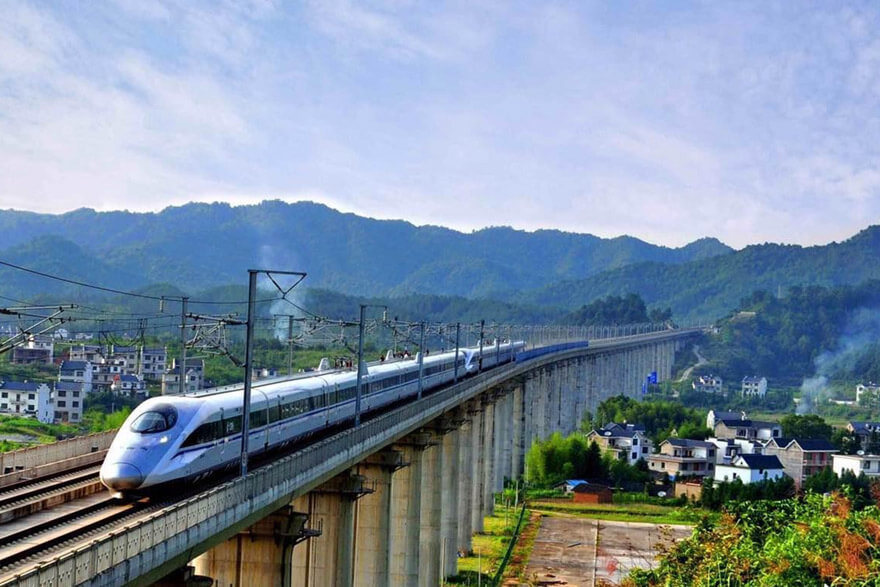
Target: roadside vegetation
x,y
815,540
490,546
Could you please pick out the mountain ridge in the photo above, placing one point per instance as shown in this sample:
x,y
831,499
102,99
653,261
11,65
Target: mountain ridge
x,y
201,245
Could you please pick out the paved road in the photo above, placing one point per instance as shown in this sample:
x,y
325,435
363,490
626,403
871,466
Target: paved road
x,y
579,552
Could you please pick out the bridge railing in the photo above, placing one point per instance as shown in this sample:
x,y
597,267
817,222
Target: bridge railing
x,y
46,459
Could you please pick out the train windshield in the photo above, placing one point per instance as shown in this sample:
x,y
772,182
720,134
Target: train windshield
x,y
159,419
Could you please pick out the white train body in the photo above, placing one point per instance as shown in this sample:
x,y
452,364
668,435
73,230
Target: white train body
x,y
184,438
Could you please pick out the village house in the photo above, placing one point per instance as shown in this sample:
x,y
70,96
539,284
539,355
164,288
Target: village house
x,y
864,431
801,457
683,457
754,386
67,401
195,377
867,392
130,386
77,372
37,350
747,429
708,384
153,362
93,353
258,373
714,416
856,464
728,448
750,469
627,442
26,398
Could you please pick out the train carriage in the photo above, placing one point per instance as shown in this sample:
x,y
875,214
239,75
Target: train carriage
x,y
178,438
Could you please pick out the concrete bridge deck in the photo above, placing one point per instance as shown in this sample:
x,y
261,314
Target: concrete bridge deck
x,y
438,460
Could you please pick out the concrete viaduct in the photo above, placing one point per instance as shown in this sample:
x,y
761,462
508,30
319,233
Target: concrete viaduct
x,y
391,502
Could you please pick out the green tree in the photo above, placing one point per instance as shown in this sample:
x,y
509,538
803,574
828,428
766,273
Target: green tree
x,y
807,426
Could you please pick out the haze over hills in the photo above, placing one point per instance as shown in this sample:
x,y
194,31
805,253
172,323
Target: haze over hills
x,y
203,245
197,247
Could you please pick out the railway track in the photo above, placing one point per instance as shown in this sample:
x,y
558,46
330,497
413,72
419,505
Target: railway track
x,y
36,537
29,497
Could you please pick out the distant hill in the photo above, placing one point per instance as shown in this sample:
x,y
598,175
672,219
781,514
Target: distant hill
x,y
199,246
706,289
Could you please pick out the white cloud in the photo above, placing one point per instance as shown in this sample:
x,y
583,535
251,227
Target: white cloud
x,y
747,122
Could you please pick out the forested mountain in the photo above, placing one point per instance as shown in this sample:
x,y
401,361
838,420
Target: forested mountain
x,y
707,289
203,245
197,247
830,332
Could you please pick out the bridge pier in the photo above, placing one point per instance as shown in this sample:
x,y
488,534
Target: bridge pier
x,y
476,473
373,520
329,559
429,540
406,495
465,478
488,505
449,505
261,554
517,454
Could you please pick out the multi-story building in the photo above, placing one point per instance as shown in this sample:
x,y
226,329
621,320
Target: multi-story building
x,y
714,416
92,353
750,469
77,372
627,442
729,448
801,457
747,429
195,377
708,384
26,398
128,357
866,393
754,386
37,350
153,362
258,373
856,464
129,385
67,401
682,457
864,432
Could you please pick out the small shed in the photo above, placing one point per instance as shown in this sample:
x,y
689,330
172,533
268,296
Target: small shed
x,y
568,485
592,493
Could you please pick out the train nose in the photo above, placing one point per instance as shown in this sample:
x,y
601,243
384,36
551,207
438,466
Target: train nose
x,y
121,476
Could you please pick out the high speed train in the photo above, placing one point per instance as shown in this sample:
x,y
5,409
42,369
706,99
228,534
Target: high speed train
x,y
187,437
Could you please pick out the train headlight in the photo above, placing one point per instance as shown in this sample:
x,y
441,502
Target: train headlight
x,y
163,440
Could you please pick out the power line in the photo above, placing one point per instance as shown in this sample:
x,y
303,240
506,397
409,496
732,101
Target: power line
x,y
129,293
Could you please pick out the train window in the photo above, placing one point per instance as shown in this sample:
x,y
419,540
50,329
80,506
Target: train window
x,y
159,419
258,418
274,413
231,426
207,432
346,394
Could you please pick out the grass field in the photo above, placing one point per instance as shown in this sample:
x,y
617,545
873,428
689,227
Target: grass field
x,y
31,428
489,548
626,512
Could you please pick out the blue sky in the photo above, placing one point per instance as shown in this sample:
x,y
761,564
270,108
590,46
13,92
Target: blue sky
x,y
750,122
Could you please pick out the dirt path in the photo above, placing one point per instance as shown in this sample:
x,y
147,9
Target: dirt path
x,y
701,360
582,552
